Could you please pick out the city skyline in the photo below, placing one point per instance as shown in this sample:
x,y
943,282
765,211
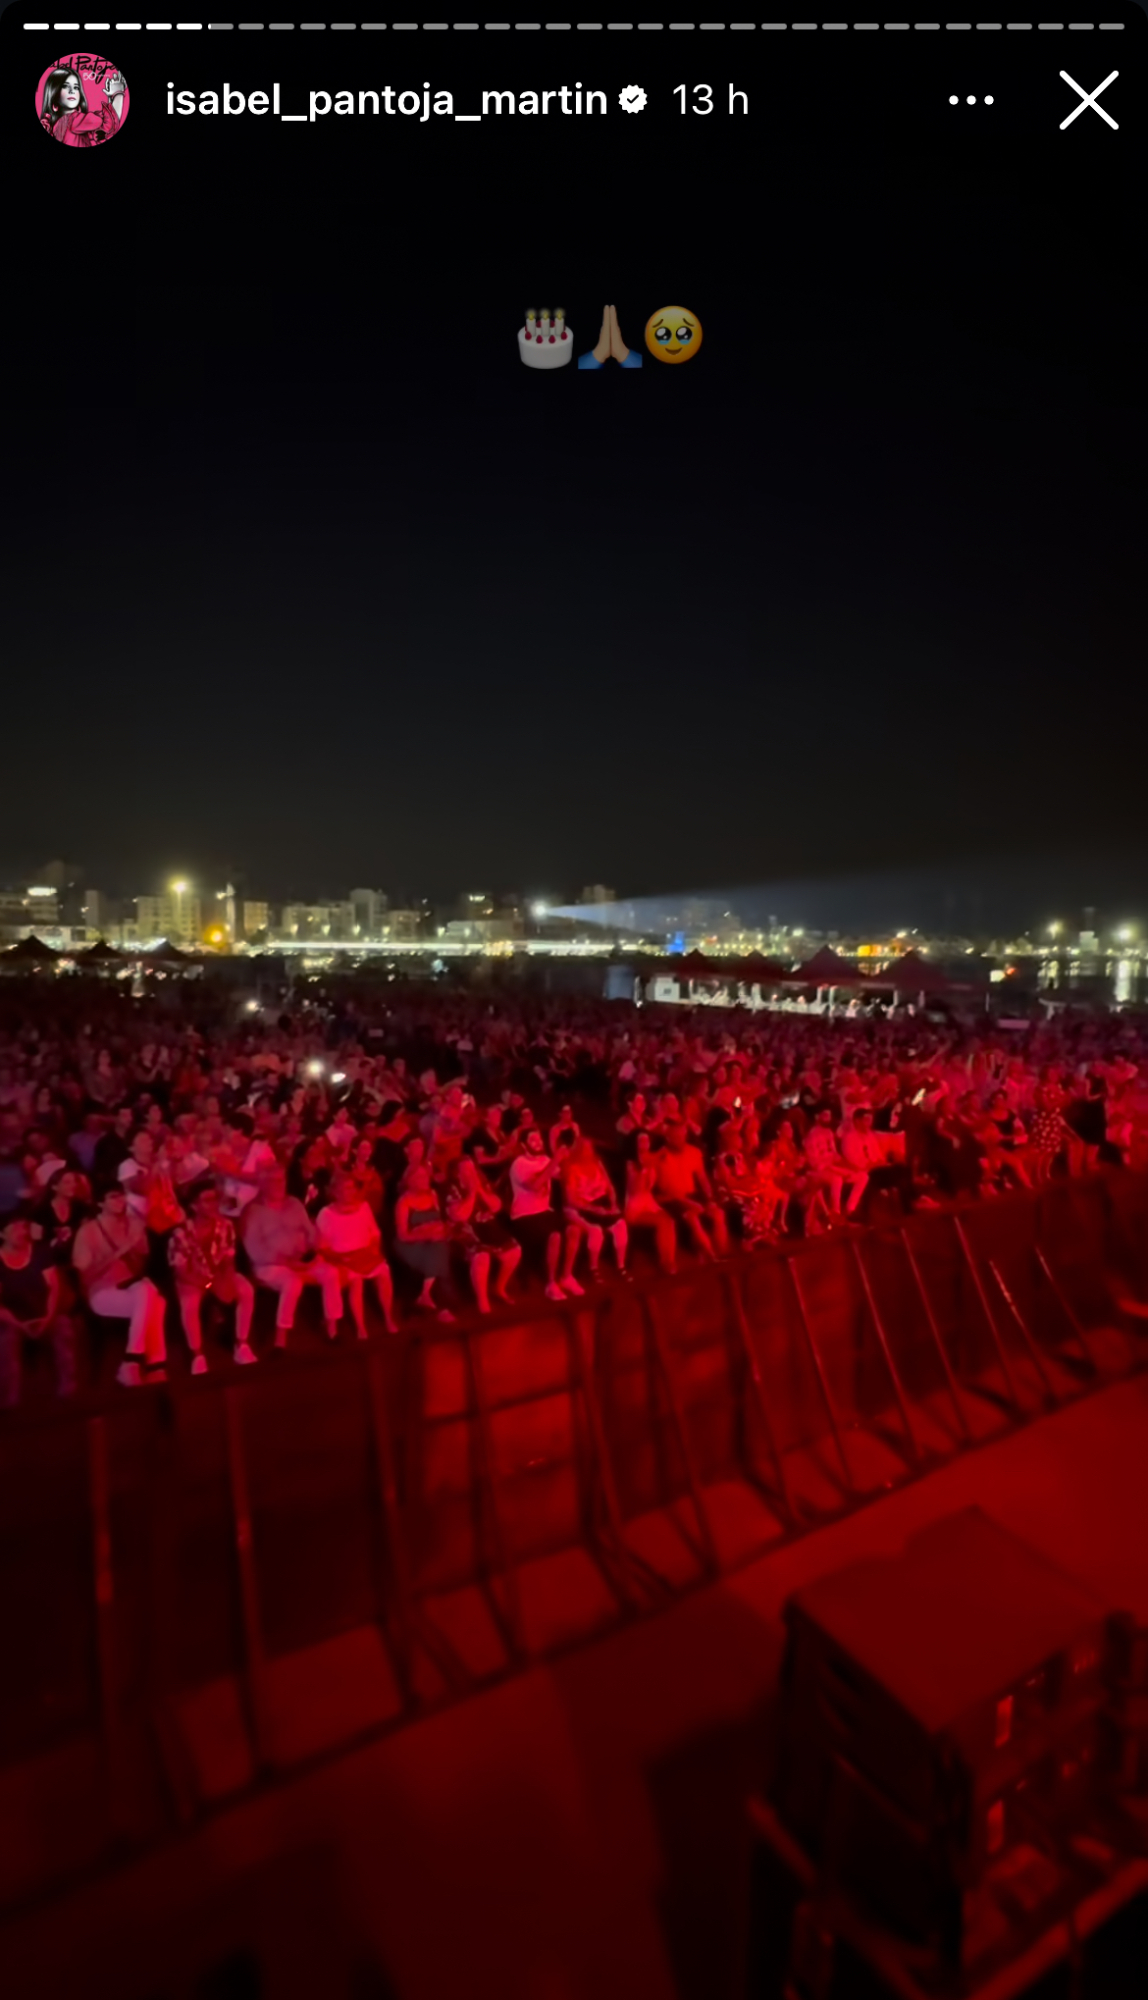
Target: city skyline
x,y
184,910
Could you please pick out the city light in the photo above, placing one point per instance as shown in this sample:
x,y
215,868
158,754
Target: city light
x,y
1054,930
1126,933
179,888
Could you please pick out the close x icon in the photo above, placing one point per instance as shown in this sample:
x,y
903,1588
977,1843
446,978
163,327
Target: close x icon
x,y
1088,100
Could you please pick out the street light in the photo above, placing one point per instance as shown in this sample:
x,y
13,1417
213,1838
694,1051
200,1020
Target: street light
x,y
1054,930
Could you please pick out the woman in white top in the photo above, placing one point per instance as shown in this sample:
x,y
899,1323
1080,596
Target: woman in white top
x,y
351,1250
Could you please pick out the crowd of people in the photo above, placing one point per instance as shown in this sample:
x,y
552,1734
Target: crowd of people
x,y
446,1154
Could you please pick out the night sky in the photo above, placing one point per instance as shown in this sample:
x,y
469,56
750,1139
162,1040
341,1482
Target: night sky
x,y
310,579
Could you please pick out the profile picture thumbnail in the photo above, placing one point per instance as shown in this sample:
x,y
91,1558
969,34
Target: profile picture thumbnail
x,y
82,100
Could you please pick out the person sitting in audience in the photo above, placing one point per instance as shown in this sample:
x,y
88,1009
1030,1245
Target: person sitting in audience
x,y
588,1198
830,1171
564,1132
110,1259
350,1246
279,1238
871,1153
183,1165
683,1188
489,1144
31,1309
634,1119
309,1175
202,1254
1049,1137
366,1175
539,1229
481,1233
113,1146
58,1219
340,1135
740,1184
643,1210
1004,1138
422,1244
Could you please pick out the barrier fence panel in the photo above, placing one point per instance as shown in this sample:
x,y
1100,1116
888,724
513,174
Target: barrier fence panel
x,y
860,1381
665,1537
957,1307
562,1579
318,1567
212,1581
1126,1253
1088,1256
915,1343
802,1420
1004,1236
206,1702
128,1466
724,1448
54,1798
445,1516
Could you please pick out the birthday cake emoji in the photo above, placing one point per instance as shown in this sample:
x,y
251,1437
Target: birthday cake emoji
x,y
545,341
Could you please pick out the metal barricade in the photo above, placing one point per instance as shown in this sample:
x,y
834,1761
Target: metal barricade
x,y
565,1574
664,1528
211,1582
733,1474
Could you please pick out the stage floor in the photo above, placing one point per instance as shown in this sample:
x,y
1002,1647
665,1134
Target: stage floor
x,y
576,1832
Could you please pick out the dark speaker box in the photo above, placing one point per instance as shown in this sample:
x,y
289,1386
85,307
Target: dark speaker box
x,y
943,1673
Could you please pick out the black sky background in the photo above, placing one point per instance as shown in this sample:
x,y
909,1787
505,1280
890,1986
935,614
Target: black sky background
x,y
310,579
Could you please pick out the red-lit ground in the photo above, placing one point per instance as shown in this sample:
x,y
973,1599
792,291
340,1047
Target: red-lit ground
x,y
576,1830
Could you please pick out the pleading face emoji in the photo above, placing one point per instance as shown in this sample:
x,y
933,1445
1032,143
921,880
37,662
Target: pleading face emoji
x,y
673,335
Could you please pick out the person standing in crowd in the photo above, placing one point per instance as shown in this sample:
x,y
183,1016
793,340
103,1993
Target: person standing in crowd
x,y
202,1253
31,1309
111,1259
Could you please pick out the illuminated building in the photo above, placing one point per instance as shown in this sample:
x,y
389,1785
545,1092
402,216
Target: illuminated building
x,y
177,914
